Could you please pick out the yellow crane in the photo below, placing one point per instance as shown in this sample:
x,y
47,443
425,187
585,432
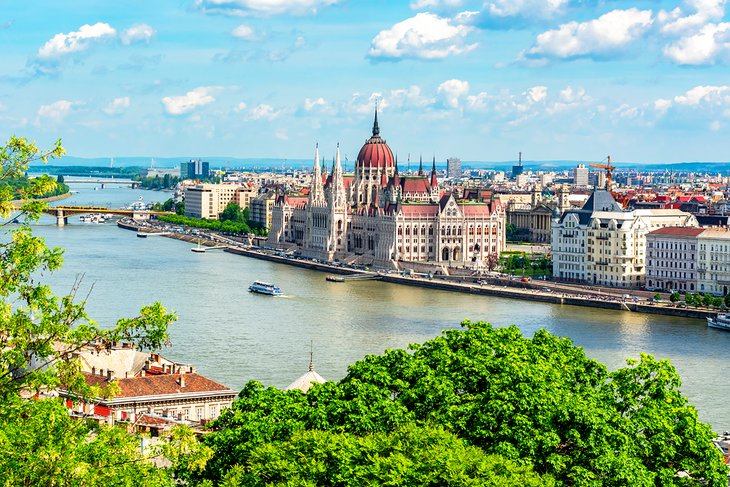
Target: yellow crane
x,y
609,171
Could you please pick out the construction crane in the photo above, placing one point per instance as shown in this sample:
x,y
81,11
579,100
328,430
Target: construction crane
x,y
609,171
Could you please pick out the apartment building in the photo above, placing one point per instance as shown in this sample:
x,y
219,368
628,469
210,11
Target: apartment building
x,y
671,259
209,200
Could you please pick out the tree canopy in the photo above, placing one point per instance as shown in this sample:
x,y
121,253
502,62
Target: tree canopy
x,y
538,403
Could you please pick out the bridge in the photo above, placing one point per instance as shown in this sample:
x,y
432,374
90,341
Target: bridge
x,y
101,181
63,212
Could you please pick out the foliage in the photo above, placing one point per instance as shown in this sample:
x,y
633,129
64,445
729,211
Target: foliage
x,y
511,231
167,205
520,263
658,297
539,402
409,455
236,228
674,297
42,445
39,333
102,171
157,182
233,213
59,179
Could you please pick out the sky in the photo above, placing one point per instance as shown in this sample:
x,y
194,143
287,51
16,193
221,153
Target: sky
x,y
643,81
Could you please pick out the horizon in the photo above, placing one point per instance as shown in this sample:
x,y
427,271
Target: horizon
x,y
643,80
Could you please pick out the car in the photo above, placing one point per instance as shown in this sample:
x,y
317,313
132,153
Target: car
x,y
525,279
547,290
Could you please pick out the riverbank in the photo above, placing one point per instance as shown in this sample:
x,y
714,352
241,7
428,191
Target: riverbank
x,y
19,203
503,288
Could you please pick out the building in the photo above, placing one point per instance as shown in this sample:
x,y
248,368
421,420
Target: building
x,y
453,167
209,200
148,384
713,261
580,176
671,259
195,169
533,220
602,244
262,207
378,217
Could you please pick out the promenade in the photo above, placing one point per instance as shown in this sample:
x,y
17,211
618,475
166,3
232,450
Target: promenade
x,y
504,287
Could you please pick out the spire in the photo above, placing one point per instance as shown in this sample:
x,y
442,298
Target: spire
x,y
376,129
420,166
434,181
311,357
316,193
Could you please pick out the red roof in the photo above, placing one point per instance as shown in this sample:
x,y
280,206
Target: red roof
x,y
678,231
419,210
475,210
415,185
159,384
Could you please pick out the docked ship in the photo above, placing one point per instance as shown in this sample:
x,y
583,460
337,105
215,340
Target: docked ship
x,y
721,321
265,288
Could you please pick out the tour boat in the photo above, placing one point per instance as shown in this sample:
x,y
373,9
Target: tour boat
x,y
265,288
721,321
332,278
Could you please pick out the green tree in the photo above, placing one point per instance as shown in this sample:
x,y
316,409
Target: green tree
x,y
59,179
539,402
658,297
39,444
233,213
689,299
674,297
707,299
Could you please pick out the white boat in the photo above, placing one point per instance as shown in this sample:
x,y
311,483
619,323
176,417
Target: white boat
x,y
265,288
198,249
138,205
721,321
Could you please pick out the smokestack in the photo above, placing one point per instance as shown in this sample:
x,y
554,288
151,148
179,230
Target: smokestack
x,y
93,371
182,380
109,374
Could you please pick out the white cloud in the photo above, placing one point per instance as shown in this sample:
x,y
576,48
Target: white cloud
x,y
63,44
244,32
240,107
263,112
138,33
699,106
699,96
451,91
421,4
424,36
537,94
409,98
514,8
117,106
55,112
677,21
180,105
708,45
262,7
310,104
608,35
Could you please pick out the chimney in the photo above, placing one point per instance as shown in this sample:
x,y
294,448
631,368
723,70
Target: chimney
x,y
126,374
143,373
182,380
191,370
93,371
101,372
109,374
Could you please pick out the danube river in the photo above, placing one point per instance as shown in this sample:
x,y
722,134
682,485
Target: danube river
x,y
234,336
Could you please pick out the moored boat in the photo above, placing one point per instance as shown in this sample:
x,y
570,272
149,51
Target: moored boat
x,y
265,288
720,321
332,278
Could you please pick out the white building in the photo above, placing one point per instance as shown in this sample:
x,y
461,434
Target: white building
x,y
378,217
580,175
453,167
671,259
713,261
209,200
605,245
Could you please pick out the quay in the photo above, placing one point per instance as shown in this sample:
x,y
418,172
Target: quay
x,y
489,286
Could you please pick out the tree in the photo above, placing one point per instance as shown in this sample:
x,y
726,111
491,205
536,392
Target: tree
x,y
232,212
658,297
674,297
492,261
59,179
539,402
511,231
40,445
689,299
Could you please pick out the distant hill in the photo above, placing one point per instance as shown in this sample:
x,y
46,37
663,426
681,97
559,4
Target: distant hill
x,y
221,162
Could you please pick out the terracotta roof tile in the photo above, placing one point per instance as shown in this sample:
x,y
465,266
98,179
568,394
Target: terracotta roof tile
x,y
159,384
678,231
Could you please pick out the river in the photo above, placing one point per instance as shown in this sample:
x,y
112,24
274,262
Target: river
x,y
233,336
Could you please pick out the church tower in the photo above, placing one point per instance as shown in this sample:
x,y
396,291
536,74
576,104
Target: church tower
x,y
338,209
374,160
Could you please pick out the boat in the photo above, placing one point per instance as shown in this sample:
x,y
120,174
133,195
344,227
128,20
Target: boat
x,y
198,249
721,321
138,205
332,278
265,288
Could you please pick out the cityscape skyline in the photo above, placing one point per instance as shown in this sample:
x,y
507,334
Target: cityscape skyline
x,y
558,80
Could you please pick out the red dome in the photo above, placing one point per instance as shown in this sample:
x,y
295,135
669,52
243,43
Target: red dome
x,y
375,153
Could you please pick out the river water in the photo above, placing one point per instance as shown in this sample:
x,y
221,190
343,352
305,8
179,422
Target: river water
x,y
233,336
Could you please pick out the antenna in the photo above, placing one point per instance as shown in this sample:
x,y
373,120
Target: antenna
x,y
520,157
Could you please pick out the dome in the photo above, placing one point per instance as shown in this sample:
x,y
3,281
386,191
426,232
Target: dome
x,y
375,153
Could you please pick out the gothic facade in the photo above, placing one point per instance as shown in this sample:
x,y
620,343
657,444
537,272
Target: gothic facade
x,y
378,217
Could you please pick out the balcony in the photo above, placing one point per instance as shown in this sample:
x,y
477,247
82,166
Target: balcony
x,y
602,237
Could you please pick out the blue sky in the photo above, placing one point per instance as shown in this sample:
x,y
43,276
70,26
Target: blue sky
x,y
644,81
